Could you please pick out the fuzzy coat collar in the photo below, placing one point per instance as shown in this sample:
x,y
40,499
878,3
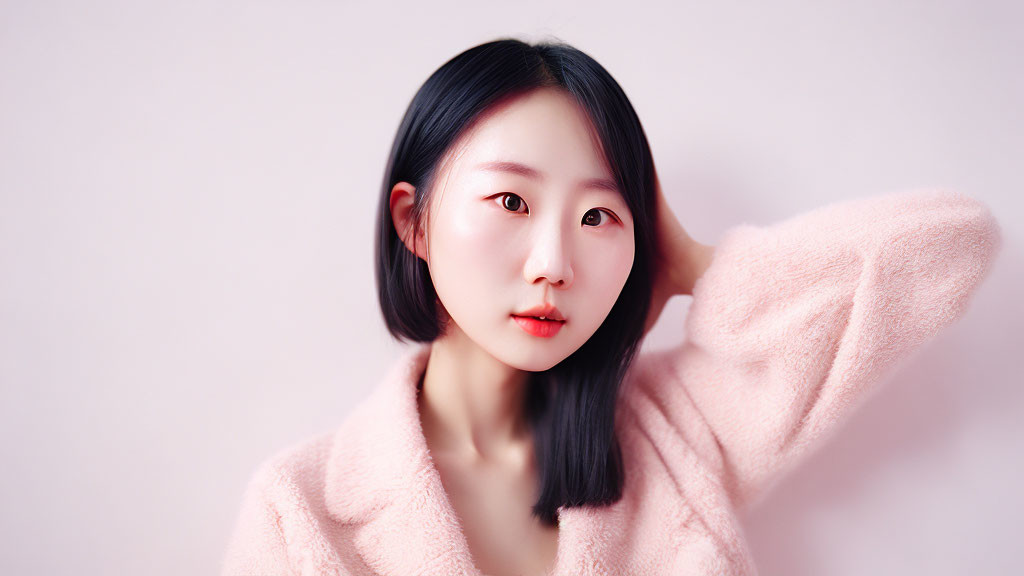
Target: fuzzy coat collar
x,y
381,477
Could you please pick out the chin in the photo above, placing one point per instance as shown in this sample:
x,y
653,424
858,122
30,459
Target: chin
x,y
539,357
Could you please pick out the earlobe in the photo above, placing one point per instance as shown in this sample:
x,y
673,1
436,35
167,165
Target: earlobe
x,y
403,198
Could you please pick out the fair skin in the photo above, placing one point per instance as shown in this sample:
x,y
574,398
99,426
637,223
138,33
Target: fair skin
x,y
498,240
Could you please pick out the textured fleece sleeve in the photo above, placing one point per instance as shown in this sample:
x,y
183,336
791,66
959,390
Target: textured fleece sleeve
x,y
257,545
792,324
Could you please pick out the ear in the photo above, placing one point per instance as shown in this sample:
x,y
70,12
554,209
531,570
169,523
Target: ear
x,y
403,196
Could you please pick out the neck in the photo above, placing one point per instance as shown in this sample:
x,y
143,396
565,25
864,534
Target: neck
x,y
472,404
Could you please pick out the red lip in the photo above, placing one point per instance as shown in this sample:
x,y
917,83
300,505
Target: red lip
x,y
537,327
549,311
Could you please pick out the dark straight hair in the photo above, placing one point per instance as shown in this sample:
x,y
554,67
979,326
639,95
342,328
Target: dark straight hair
x,y
571,406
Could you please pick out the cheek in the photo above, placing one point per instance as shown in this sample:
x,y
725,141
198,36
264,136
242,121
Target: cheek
x,y
604,268
469,256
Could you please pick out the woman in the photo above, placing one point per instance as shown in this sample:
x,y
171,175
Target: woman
x,y
524,244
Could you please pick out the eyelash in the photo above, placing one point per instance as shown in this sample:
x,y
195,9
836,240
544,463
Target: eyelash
x,y
501,196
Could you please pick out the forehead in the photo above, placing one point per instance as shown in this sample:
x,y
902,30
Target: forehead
x,y
545,129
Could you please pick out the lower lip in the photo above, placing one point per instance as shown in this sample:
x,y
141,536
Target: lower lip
x,y
537,327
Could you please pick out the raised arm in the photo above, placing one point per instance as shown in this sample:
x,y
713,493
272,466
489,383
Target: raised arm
x,y
792,324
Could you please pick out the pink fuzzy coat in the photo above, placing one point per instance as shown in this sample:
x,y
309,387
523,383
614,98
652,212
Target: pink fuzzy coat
x,y
791,327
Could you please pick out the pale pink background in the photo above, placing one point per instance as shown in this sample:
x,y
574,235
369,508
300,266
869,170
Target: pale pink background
x,y
187,201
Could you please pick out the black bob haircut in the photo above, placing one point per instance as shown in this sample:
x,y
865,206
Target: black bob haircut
x,y
571,406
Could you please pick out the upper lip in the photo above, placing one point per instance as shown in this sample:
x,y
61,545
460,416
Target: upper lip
x,y
545,310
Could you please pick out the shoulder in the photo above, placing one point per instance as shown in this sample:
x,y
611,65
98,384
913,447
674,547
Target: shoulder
x,y
656,403
282,512
295,472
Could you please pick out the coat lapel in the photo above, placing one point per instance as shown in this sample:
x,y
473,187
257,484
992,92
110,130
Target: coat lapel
x,y
381,479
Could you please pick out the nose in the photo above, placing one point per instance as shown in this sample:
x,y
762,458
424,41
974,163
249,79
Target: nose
x,y
550,258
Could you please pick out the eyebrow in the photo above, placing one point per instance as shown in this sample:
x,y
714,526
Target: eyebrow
x,y
534,174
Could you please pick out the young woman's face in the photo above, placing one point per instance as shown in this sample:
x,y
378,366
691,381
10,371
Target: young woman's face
x,y
527,214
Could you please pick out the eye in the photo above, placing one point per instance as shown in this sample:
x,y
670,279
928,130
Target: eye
x,y
510,201
592,216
